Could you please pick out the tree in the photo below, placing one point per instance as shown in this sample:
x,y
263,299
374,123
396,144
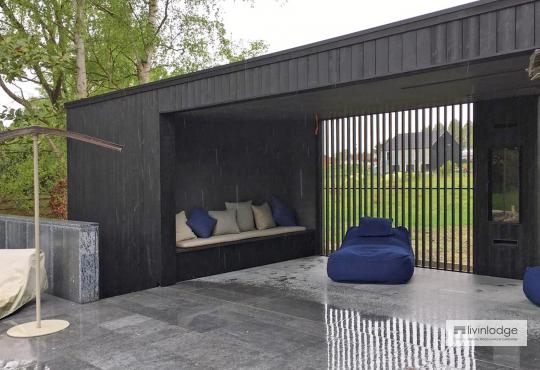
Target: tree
x,y
79,34
70,49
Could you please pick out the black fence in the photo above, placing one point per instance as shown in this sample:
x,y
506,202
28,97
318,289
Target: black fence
x,y
415,166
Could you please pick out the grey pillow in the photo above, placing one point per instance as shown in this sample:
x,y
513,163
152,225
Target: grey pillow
x,y
263,217
226,222
244,214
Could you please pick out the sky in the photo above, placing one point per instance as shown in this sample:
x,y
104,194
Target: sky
x,y
284,24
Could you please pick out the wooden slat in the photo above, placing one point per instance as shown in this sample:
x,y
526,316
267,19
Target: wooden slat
x,y
438,44
274,78
293,74
423,47
233,87
369,59
381,56
357,54
525,26
471,37
537,23
322,77
395,63
488,34
283,77
506,30
302,73
313,70
345,64
333,66
409,50
266,79
454,41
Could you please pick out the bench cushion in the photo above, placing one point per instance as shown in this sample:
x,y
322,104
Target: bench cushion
x,y
218,239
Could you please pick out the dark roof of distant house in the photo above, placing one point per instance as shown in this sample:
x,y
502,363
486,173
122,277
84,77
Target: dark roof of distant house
x,y
402,141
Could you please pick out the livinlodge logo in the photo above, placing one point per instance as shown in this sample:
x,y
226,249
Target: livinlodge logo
x,y
486,333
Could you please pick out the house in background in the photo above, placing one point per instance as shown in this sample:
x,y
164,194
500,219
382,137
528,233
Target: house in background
x,y
411,151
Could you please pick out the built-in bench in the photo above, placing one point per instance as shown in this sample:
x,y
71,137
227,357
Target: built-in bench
x,y
216,240
218,254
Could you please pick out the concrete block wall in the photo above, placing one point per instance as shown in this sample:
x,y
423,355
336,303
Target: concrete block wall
x,y
71,253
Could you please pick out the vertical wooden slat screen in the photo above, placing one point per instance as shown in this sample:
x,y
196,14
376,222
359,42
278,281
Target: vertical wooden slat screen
x,y
414,166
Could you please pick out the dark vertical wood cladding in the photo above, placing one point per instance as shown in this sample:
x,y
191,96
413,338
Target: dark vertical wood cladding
x,y
370,59
357,61
167,155
228,161
488,34
409,51
194,264
381,56
471,37
425,43
506,30
454,41
120,191
345,64
504,249
395,54
423,48
438,44
525,26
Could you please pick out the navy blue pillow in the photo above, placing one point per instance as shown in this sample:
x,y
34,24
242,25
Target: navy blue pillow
x,y
283,215
201,223
373,226
531,284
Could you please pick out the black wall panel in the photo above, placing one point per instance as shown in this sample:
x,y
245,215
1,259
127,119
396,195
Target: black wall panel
x,y
219,161
525,26
505,249
471,37
120,191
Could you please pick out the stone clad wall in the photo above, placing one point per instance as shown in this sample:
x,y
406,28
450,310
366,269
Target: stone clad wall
x,y
71,253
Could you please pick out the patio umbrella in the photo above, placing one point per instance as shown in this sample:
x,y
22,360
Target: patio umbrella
x,y
43,327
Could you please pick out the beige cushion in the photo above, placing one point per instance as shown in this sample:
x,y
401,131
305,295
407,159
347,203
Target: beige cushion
x,y
183,231
241,236
226,222
244,214
18,278
263,217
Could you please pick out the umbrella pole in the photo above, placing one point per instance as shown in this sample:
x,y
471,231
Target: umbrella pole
x,y
36,231
38,327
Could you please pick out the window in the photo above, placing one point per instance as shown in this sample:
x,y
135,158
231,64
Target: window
x,y
504,185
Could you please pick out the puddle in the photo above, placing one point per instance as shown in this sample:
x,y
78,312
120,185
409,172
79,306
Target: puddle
x,y
358,341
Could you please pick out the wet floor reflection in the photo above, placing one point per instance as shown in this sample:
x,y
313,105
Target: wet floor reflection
x,y
357,341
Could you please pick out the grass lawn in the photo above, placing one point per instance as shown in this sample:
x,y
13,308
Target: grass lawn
x,y
433,224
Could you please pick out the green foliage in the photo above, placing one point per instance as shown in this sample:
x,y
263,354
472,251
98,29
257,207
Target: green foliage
x,y
37,49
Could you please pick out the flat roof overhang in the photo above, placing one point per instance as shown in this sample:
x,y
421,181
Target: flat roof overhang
x,y
493,78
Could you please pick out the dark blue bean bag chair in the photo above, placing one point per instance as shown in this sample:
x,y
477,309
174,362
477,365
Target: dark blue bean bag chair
x,y
531,284
373,252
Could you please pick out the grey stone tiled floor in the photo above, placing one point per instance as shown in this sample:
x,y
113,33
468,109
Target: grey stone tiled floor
x,y
282,316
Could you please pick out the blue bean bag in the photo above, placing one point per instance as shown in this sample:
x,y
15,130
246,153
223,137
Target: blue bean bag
x,y
373,254
531,284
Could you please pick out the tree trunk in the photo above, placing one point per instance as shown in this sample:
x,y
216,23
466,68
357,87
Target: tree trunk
x,y
80,59
144,62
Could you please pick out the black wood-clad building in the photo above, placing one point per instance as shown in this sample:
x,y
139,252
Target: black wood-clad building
x,y
249,129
